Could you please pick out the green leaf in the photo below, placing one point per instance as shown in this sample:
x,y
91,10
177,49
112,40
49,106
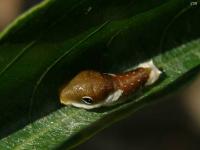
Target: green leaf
x,y
50,43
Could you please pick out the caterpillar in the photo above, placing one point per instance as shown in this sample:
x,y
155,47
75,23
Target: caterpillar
x,y
91,89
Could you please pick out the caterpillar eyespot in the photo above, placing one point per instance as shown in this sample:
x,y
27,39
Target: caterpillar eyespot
x,y
87,100
91,89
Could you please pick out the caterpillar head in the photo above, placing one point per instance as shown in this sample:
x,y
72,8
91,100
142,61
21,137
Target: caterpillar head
x,y
88,89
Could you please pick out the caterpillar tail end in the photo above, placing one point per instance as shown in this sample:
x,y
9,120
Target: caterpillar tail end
x,y
154,74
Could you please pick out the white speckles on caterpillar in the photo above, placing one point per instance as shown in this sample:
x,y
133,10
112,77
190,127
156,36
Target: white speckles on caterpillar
x,y
90,89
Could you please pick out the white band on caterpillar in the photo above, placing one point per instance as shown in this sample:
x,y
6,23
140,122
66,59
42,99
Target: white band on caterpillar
x,y
154,74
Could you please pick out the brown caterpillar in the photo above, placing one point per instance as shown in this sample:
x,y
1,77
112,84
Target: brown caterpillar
x,y
90,89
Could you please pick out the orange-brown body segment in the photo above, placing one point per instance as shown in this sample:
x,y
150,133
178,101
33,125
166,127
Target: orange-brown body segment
x,y
132,80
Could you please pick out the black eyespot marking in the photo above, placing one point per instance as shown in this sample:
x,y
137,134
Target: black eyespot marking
x,y
87,100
